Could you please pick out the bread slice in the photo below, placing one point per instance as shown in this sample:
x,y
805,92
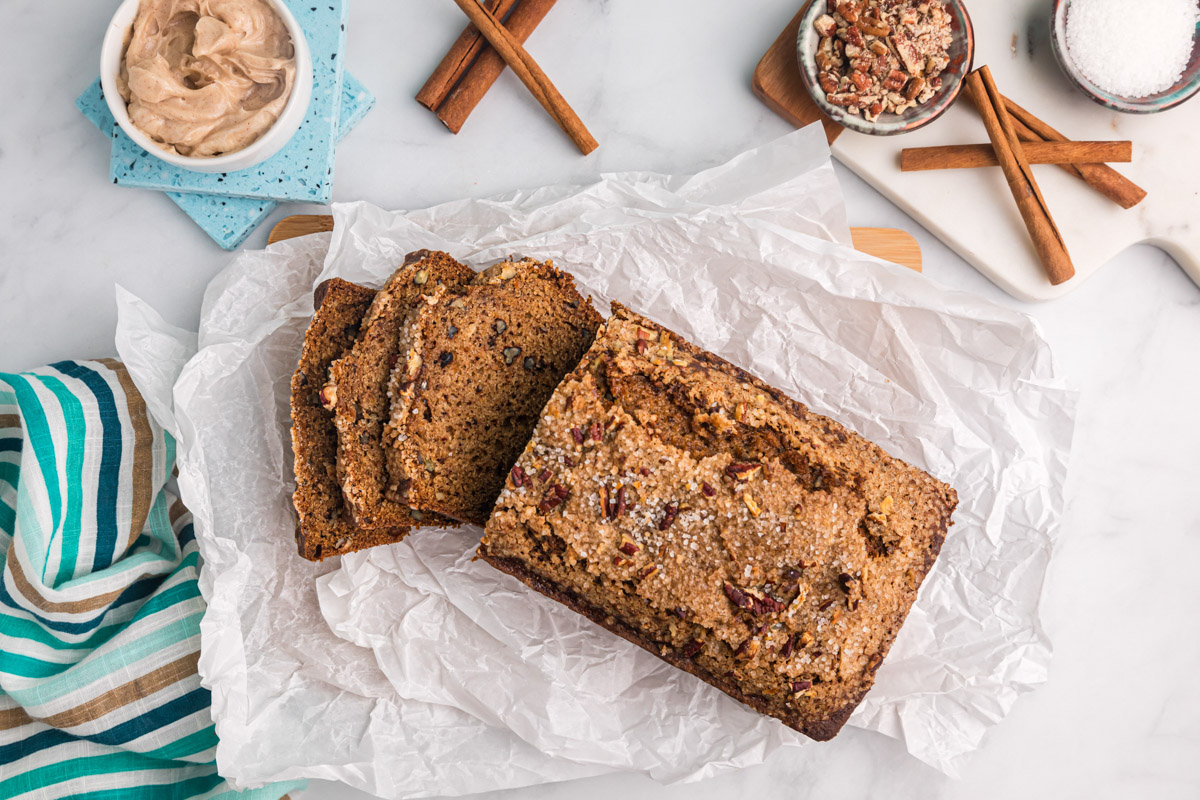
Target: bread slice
x,y
694,510
360,380
478,365
323,529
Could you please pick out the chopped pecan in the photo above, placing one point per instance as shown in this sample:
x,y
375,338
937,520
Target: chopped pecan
x,y
648,572
737,596
519,478
750,504
748,648
742,470
560,490
895,80
802,687
628,546
549,502
577,435
853,37
597,432
708,490
692,648
668,516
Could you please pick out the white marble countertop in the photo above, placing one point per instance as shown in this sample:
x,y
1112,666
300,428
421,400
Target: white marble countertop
x,y
665,86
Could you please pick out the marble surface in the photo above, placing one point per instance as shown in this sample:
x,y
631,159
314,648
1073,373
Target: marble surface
x,y
665,86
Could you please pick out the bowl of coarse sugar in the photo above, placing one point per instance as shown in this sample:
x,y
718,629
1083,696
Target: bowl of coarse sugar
x,y
1136,57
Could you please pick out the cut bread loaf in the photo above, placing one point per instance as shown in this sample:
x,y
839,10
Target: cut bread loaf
x,y
324,529
360,383
694,510
477,365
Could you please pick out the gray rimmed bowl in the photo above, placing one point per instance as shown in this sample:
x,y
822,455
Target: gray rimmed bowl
x,y
1184,89
962,55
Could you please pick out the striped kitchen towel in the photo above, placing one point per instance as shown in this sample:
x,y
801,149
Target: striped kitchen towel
x,y
99,607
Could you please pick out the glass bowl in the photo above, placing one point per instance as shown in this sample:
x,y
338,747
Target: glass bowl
x,y
1184,89
962,54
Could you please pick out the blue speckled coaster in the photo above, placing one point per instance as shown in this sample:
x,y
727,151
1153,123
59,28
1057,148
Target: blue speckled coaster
x,y
229,220
303,170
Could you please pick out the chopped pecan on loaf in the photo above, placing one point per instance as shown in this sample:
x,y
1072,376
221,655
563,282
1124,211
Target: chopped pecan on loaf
x,y
694,510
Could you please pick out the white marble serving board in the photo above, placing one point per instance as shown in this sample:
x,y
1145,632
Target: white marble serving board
x,y
973,212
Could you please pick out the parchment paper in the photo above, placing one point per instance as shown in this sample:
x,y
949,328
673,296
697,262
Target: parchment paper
x,y
410,670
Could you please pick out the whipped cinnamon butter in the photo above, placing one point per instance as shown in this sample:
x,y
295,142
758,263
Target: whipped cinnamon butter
x,y
206,77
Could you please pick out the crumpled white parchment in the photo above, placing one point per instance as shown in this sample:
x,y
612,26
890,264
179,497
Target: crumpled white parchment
x,y
412,671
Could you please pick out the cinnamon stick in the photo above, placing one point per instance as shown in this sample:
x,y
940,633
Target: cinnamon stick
x,y
461,101
966,156
525,68
1047,240
458,59
1100,177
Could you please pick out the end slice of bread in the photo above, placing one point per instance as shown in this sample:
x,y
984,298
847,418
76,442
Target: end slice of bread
x,y
324,529
477,363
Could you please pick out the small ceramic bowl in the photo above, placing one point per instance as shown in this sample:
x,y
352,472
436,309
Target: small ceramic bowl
x,y
262,148
1184,89
962,54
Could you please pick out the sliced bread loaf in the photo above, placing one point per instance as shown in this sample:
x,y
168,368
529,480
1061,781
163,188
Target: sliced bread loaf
x,y
324,529
477,365
360,382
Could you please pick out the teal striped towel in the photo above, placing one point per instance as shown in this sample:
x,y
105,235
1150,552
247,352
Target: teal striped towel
x,y
99,608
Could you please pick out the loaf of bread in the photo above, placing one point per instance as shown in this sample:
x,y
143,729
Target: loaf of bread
x,y
359,386
692,509
476,364
324,528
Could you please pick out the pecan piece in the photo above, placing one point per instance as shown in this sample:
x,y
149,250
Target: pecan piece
x,y
692,648
519,478
550,502
895,80
628,546
843,98
577,435
544,475
708,490
597,432
914,88
825,25
749,648
743,470
668,516
802,687
737,596
853,37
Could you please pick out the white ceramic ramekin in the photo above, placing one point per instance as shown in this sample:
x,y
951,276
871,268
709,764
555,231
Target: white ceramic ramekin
x,y
258,151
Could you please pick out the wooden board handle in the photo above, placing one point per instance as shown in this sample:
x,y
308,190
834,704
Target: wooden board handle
x,y
889,244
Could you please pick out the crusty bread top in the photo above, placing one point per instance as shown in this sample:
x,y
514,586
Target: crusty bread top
x,y
724,522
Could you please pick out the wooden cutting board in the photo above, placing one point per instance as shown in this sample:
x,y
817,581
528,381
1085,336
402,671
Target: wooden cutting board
x,y
972,210
889,244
